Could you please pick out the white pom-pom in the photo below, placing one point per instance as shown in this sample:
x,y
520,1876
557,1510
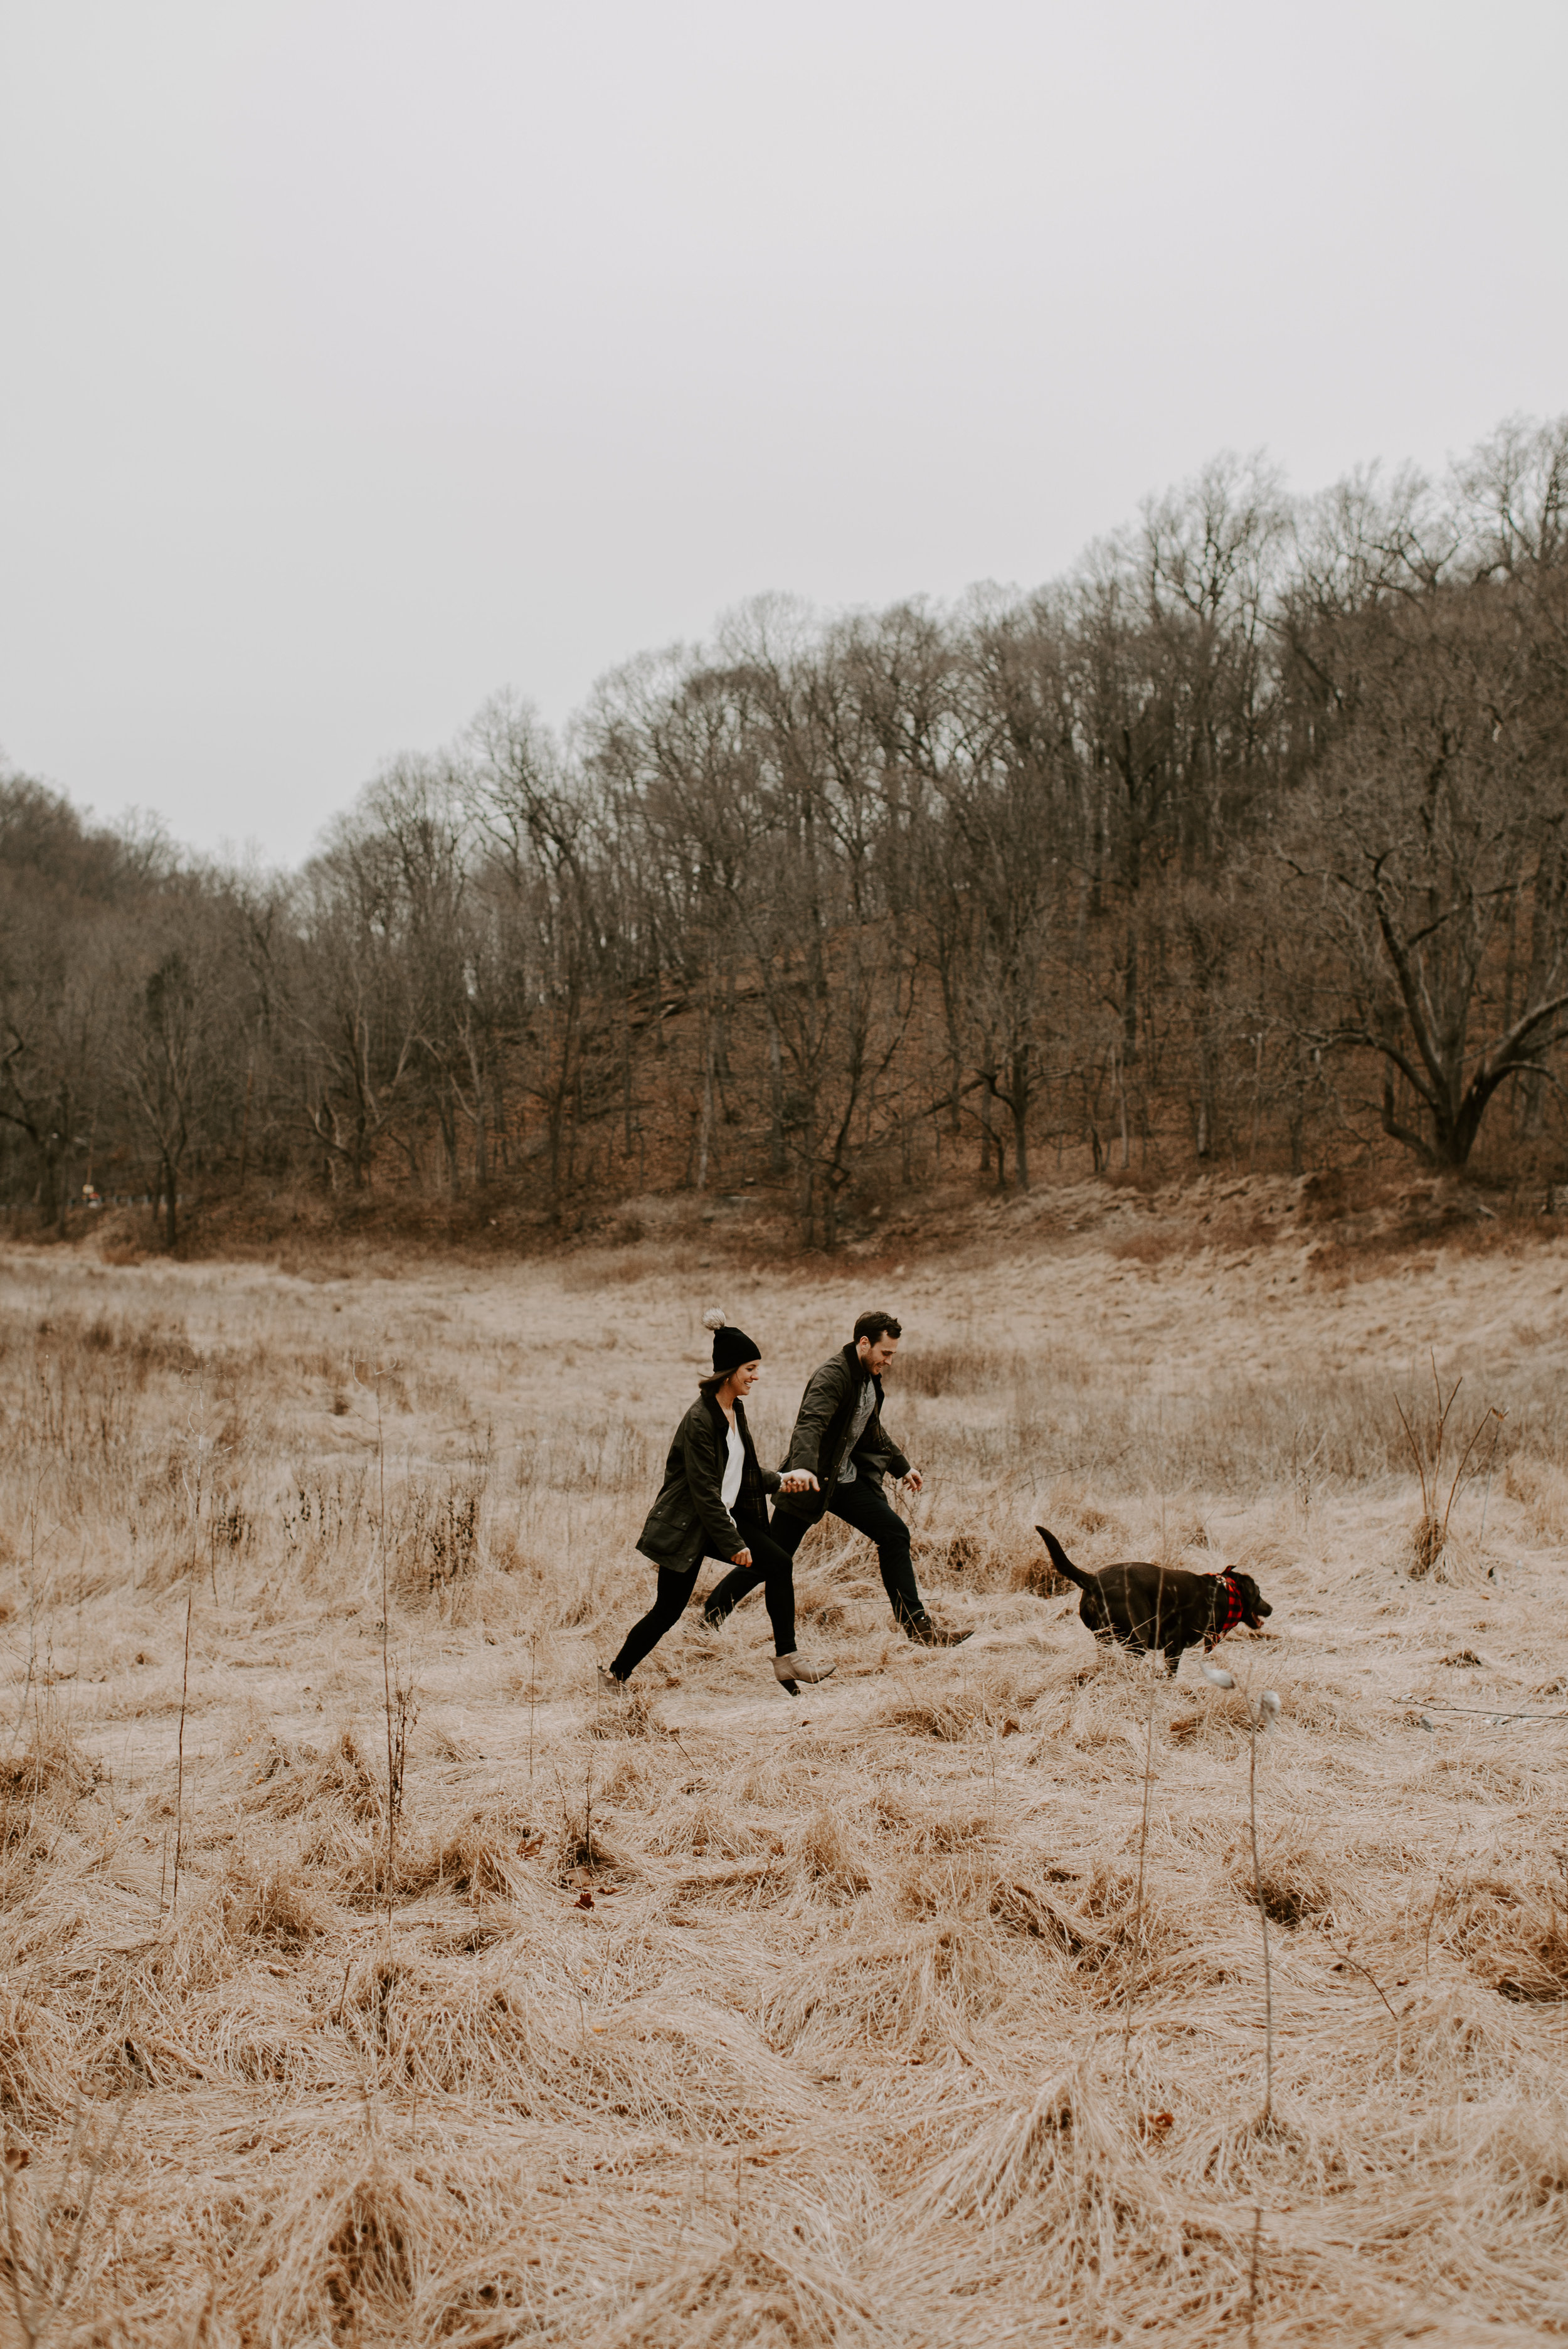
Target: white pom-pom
x,y
1220,1679
713,1318
1270,1705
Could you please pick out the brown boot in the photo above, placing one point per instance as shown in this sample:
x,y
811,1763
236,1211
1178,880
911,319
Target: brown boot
x,y
927,1634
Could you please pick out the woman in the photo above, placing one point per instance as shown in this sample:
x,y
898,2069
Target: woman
x,y
713,1504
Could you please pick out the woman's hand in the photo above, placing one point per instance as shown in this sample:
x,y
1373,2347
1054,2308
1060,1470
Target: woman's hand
x,y
741,1557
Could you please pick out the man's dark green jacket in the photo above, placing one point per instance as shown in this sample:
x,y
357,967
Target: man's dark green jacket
x,y
689,1522
822,1438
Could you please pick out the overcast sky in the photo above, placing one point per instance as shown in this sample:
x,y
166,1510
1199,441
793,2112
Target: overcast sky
x,y
362,358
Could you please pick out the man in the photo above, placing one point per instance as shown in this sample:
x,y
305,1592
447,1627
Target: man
x,y
839,1439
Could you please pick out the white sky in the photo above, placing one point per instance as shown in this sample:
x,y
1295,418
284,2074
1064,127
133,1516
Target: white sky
x,y
362,356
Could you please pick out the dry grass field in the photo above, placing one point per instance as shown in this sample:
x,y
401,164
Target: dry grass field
x,y
368,1980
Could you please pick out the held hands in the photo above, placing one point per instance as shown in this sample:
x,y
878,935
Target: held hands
x,y
798,1480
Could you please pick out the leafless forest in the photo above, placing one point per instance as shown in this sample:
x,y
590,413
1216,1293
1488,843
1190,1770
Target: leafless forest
x,y
1242,845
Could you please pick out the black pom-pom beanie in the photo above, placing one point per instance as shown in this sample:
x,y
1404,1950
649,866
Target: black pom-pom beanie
x,y
731,1347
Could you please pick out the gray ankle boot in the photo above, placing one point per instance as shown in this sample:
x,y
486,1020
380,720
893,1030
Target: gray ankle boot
x,y
792,1670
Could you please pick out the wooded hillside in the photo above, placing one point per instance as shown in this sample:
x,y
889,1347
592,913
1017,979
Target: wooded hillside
x,y
1242,844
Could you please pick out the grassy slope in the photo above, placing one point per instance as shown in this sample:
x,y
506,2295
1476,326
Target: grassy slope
x,y
866,2033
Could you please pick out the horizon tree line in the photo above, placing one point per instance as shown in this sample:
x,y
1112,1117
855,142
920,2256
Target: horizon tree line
x,y
1242,844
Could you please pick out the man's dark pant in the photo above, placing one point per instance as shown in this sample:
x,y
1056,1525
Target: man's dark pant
x,y
861,1504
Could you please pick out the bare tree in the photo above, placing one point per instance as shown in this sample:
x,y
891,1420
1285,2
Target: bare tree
x,y
52,1033
355,1012
174,1059
538,816
1435,807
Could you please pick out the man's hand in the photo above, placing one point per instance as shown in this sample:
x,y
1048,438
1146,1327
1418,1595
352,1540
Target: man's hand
x,y
798,1480
741,1557
915,1480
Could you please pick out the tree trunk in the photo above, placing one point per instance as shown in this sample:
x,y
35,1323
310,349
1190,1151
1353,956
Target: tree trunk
x,y
1018,1099
1130,996
705,1126
51,1189
246,1119
775,1158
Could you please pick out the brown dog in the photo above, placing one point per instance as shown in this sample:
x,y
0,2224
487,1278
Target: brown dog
x,y
1154,1607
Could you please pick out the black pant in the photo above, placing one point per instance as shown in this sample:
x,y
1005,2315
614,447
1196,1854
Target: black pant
x,y
771,1563
863,1506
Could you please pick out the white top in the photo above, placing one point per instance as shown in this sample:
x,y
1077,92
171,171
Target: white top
x,y
734,1468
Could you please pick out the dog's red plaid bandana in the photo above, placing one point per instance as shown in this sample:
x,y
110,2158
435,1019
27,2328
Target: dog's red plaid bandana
x,y
1227,1611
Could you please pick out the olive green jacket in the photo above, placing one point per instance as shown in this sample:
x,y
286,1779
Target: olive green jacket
x,y
689,1522
822,1438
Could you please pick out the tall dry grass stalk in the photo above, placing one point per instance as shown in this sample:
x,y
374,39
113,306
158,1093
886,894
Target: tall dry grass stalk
x,y
1431,1534
1256,1717
489,2015
59,2241
1155,1666
180,1740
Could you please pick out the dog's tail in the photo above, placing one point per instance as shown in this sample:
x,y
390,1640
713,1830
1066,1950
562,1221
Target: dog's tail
x,y
1062,1562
